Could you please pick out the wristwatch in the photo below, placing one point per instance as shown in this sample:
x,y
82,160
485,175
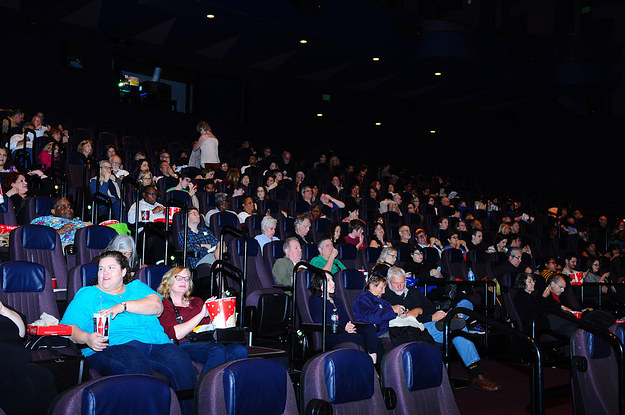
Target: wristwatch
x,y
124,304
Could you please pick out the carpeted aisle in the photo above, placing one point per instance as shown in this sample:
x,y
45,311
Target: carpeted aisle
x,y
514,398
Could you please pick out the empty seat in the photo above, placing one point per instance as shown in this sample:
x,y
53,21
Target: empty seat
x,y
152,275
118,394
416,373
26,287
42,245
89,242
246,386
346,379
80,276
453,264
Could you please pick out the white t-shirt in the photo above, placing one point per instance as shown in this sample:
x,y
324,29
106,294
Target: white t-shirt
x,y
209,151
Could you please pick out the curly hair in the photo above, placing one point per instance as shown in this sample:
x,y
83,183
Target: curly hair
x,y
167,282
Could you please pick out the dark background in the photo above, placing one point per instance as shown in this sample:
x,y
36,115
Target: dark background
x,y
530,101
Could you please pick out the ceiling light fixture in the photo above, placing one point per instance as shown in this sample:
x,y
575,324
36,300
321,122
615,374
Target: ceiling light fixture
x,y
210,16
303,41
376,59
319,114
438,73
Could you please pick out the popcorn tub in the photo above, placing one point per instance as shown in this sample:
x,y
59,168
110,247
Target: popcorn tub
x,y
223,312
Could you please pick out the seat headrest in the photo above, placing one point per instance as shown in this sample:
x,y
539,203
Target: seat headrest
x,y
39,237
348,375
98,237
252,247
43,206
423,366
129,394
597,347
277,249
619,331
21,276
154,275
353,279
347,251
254,386
88,272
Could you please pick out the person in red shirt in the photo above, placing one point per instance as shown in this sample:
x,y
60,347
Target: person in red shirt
x,y
182,313
355,235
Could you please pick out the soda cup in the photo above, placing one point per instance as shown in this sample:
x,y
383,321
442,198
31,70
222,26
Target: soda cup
x,y
145,216
101,324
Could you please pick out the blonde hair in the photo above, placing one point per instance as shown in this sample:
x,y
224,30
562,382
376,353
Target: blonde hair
x,y
167,282
83,143
385,252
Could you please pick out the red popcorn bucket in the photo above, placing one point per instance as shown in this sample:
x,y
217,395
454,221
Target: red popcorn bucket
x,y
576,278
223,312
173,210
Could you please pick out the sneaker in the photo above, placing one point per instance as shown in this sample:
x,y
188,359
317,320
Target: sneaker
x,y
455,324
477,329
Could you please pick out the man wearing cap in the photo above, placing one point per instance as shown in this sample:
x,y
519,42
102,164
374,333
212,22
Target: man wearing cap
x,y
422,241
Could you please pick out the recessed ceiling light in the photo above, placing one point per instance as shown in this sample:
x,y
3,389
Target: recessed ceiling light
x,y
319,114
376,59
378,123
432,131
210,16
303,41
438,73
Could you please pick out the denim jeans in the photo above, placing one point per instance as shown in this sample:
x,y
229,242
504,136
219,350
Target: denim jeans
x,y
142,358
465,347
213,354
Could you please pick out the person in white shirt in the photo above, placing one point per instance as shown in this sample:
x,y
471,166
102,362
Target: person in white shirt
x,y
149,208
118,167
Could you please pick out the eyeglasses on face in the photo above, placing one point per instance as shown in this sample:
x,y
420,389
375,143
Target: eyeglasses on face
x,y
182,278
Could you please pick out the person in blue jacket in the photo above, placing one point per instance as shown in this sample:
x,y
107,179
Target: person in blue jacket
x,y
369,307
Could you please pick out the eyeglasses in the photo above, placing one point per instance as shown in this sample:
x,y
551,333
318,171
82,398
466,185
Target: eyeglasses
x,y
182,278
562,287
517,257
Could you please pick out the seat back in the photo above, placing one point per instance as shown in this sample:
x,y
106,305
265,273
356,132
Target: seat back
x,y
479,262
309,251
80,276
252,223
302,288
416,373
318,228
346,379
152,275
27,288
7,213
38,206
91,240
118,394
595,389
220,220
42,245
453,264
348,284
273,251
370,256
246,386
348,255
431,256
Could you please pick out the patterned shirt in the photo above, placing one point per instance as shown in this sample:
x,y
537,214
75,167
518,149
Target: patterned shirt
x,y
194,240
57,223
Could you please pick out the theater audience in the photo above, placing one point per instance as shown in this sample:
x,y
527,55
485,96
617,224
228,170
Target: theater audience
x,y
200,241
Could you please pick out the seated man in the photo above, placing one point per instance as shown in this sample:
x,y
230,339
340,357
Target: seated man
x,y
355,236
419,306
185,185
117,167
149,212
326,260
200,241
107,184
283,267
62,219
302,228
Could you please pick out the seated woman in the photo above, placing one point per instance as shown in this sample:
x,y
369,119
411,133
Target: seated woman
x,y
136,342
182,313
417,269
125,244
370,308
362,334
268,229
387,259
378,237
15,187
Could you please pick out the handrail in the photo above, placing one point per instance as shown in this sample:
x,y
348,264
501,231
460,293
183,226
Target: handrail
x,y
234,272
96,198
183,206
319,271
599,285
129,180
608,336
536,379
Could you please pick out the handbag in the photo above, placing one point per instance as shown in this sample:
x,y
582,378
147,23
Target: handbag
x,y
61,356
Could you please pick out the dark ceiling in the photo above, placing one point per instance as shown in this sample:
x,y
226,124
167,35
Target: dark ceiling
x,y
493,54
